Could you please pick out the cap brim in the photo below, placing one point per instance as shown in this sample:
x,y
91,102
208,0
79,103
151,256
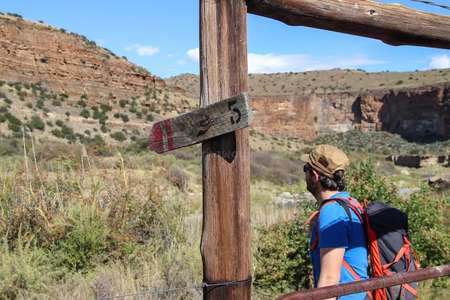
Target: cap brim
x,y
305,158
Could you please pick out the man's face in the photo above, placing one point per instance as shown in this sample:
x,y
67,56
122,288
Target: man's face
x,y
311,179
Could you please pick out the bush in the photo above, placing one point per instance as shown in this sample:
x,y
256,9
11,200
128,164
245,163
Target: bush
x,y
24,268
81,103
125,118
56,102
150,118
282,261
118,136
37,123
123,103
85,113
84,243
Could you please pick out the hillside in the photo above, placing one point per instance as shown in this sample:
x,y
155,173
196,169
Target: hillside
x,y
324,82
306,105
62,85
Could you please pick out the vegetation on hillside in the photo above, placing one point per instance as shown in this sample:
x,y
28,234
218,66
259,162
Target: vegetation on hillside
x,y
101,223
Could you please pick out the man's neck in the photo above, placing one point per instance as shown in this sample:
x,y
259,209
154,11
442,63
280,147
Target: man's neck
x,y
324,195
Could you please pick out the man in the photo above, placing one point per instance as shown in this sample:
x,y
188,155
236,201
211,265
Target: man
x,y
338,244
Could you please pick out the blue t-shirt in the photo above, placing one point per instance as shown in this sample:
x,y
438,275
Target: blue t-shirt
x,y
336,231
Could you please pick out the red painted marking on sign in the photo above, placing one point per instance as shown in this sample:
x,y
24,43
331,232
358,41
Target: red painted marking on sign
x,y
169,131
156,138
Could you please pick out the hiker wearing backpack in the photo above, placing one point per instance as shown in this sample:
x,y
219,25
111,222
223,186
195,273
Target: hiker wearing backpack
x,y
344,233
338,244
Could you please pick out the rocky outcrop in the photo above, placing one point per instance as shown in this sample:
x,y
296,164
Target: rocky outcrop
x,y
303,116
66,63
418,161
417,114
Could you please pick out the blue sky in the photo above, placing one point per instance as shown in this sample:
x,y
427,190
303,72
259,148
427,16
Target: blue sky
x,y
162,36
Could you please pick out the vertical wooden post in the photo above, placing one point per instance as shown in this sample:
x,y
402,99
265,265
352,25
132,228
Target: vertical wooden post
x,y
225,245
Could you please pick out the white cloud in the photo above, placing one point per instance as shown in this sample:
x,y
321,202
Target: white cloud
x,y
270,63
297,62
143,50
194,54
440,62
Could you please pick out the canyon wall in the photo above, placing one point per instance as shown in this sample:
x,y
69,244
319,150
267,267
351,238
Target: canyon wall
x,y
417,114
66,62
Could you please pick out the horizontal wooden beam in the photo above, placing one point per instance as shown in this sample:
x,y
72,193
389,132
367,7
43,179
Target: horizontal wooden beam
x,y
393,24
369,284
205,123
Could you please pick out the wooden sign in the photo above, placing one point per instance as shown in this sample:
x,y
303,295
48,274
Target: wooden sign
x,y
194,127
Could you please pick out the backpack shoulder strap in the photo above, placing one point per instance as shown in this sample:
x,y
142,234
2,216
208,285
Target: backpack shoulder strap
x,y
342,202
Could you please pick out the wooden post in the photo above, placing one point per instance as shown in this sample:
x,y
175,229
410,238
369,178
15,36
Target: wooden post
x,y
225,244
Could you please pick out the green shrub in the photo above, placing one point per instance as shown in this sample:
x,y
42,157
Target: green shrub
x,y
40,104
37,123
85,113
26,268
364,184
427,217
125,118
282,261
123,103
81,103
150,118
84,243
68,133
56,103
13,123
105,107
118,136
59,123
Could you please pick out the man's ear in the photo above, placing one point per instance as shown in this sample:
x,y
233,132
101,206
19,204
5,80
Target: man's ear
x,y
316,175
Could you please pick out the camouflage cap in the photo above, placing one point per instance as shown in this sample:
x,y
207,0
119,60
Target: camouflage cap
x,y
326,159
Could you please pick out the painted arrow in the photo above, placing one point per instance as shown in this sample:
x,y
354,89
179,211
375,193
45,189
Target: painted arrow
x,y
205,123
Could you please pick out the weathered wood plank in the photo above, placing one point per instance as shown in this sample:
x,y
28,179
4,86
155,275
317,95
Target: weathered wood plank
x,y
194,127
393,24
225,244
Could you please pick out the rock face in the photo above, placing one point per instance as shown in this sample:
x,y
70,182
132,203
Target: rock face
x,y
418,161
304,116
66,63
417,114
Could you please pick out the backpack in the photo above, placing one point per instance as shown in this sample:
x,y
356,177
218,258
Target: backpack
x,y
388,243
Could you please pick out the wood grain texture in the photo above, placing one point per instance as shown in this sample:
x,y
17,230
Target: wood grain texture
x,y
207,122
393,24
225,244
369,284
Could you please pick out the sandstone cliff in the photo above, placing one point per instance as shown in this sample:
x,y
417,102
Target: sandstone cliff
x,y
66,62
417,114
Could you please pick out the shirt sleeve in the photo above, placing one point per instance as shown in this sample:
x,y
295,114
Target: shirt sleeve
x,y
333,227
